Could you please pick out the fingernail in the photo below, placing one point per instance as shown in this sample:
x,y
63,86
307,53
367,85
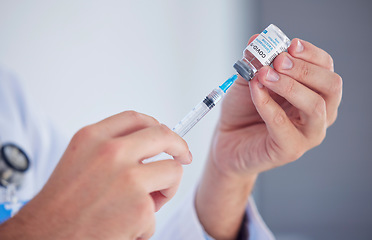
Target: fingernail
x,y
287,63
272,76
299,47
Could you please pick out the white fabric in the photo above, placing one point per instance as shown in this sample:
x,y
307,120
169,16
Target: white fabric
x,y
24,125
258,230
184,224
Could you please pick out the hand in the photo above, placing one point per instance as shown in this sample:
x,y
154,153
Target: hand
x,y
100,189
270,121
281,114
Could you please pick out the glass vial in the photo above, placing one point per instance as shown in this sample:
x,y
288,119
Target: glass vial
x,y
262,51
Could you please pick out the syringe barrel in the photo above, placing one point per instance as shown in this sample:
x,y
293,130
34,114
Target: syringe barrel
x,y
198,112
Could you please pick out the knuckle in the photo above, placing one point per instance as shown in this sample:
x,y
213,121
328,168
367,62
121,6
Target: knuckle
x,y
336,86
280,118
144,209
178,169
136,117
85,133
305,71
131,176
109,152
110,149
165,131
265,101
140,118
289,89
184,146
149,224
322,136
320,108
151,229
318,139
316,136
330,63
297,154
299,149
332,118
132,114
294,155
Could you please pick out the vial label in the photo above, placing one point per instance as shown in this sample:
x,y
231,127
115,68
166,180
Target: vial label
x,y
266,46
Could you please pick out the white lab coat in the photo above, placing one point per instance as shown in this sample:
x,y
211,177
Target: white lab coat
x,y
23,124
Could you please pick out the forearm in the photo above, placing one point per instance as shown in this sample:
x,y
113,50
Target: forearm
x,y
221,200
13,229
38,220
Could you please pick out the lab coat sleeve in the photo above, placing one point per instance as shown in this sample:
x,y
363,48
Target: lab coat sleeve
x,y
184,224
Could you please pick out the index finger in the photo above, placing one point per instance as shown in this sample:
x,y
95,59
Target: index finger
x,y
125,123
151,141
308,52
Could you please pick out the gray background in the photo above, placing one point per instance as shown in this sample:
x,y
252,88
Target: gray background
x,y
327,194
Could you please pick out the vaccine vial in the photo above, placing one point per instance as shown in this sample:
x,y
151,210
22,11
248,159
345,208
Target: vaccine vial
x,y
262,51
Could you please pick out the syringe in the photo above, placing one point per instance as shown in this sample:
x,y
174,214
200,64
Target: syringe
x,y
196,114
200,110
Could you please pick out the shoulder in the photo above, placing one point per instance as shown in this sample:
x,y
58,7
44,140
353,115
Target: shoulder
x,y
11,96
13,122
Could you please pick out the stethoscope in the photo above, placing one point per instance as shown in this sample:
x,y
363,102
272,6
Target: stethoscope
x,y
14,163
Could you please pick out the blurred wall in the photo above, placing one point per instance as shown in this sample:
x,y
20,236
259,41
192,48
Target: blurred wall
x,y
82,61
327,194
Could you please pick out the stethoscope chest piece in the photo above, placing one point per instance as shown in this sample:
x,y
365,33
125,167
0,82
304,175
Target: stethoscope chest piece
x,y
13,164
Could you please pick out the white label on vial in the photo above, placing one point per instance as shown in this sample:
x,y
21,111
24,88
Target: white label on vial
x,y
266,46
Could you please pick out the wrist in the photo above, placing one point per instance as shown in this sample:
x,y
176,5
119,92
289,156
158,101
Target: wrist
x,y
33,222
226,166
222,196
227,176
231,158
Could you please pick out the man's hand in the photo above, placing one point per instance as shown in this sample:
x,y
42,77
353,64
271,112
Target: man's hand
x,y
101,189
270,121
281,114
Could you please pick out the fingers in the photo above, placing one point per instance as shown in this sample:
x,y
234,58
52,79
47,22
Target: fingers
x,y
279,126
312,119
318,78
125,123
161,175
148,225
308,52
149,142
252,38
151,185
325,82
161,179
